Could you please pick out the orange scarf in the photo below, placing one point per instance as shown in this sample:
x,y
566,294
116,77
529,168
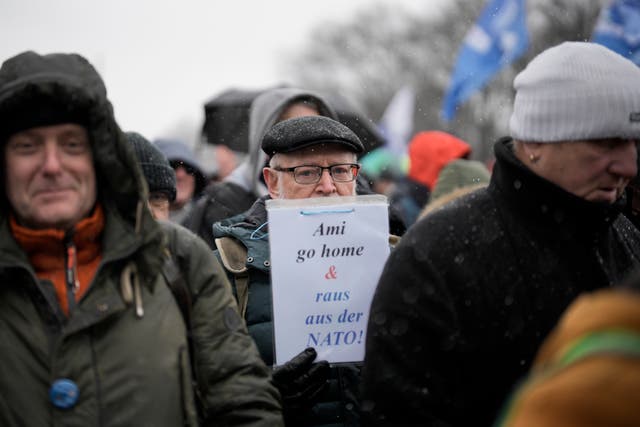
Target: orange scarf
x,y
46,251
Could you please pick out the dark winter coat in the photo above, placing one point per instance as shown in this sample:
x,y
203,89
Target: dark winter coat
x,y
220,200
471,291
338,405
132,369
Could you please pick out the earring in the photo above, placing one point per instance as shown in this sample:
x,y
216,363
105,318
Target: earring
x,y
533,158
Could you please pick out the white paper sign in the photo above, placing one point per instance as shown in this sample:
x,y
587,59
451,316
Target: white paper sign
x,y
327,255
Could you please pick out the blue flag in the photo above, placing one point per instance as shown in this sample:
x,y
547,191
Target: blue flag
x,y
497,38
618,28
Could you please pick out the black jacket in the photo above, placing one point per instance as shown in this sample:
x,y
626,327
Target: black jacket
x,y
468,295
220,200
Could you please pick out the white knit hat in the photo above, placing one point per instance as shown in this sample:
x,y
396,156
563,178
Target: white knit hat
x,y
576,91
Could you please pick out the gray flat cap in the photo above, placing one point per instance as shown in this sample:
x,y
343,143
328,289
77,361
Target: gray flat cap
x,y
301,132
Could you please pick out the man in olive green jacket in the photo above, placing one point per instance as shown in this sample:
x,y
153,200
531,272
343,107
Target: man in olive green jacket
x,y
90,331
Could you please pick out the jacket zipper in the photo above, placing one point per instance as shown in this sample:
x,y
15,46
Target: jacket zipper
x,y
71,270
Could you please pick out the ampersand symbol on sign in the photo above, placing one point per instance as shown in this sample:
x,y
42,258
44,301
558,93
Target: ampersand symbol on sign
x,y
331,274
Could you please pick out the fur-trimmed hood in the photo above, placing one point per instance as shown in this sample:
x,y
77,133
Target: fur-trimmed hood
x,y
72,82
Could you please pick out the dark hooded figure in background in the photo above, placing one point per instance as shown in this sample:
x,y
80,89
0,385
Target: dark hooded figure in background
x,y
237,192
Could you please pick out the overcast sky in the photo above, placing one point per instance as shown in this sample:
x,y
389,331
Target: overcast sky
x,y
161,60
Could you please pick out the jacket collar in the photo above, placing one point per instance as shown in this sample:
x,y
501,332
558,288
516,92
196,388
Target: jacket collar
x,y
252,229
44,246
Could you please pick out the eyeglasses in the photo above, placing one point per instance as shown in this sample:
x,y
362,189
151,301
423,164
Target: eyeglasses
x,y
311,174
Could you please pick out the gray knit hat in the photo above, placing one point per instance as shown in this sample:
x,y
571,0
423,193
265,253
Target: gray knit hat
x,y
576,91
159,174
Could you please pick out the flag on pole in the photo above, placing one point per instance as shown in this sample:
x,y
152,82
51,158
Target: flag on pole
x,y
618,28
396,123
498,37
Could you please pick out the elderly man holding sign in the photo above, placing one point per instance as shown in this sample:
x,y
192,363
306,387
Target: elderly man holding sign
x,y
310,158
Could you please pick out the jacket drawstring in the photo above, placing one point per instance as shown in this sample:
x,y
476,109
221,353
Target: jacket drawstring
x,y
130,287
129,278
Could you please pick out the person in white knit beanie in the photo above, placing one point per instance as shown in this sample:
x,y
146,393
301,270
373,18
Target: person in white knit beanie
x,y
469,294
576,119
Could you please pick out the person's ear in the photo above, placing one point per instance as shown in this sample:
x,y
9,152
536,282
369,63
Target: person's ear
x,y
271,179
532,151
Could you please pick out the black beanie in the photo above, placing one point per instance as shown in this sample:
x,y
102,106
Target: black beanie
x,y
159,174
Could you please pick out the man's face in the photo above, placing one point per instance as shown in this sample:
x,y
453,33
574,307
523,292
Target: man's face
x,y
282,185
597,170
185,183
226,160
50,177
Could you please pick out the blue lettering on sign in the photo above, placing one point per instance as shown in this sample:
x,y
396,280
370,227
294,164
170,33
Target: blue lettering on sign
x,y
335,338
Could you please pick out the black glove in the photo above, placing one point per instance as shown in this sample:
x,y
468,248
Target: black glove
x,y
300,381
